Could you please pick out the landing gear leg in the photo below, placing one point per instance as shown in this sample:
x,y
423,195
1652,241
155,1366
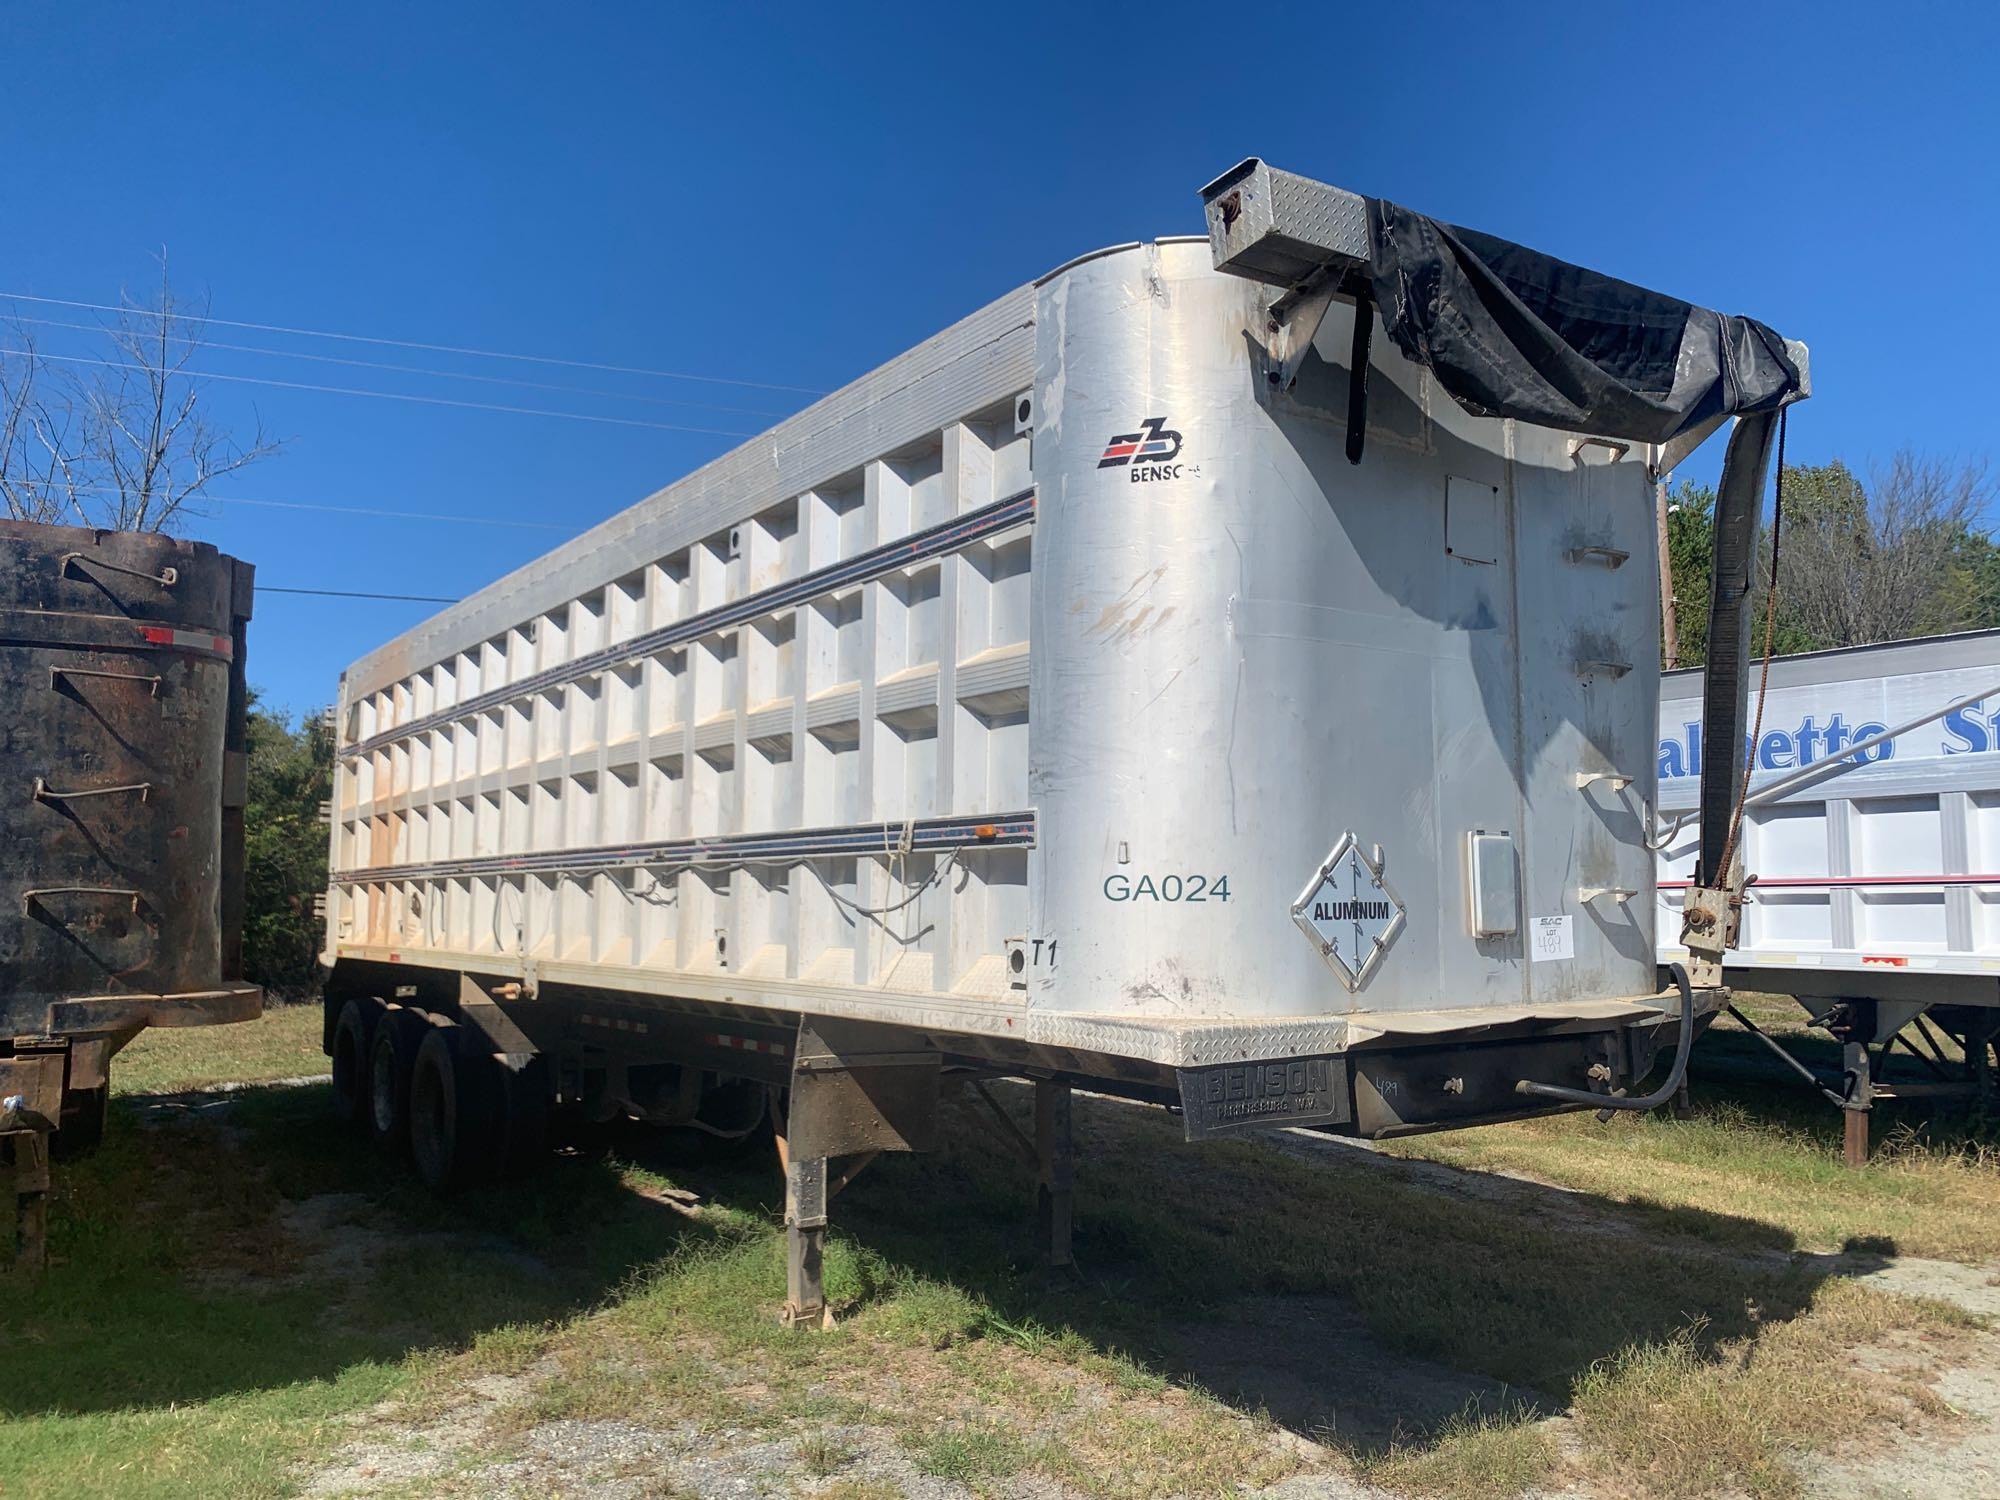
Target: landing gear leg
x,y
1860,1095
857,1090
29,1237
805,1243
1055,1194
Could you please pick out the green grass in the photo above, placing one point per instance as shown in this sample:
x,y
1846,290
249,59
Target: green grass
x,y
1759,1164
199,1333
1689,1422
284,1042
1475,1454
970,1454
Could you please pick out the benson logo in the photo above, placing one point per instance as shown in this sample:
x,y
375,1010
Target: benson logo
x,y
1154,443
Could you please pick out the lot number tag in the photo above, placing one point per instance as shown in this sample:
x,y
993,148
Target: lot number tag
x,y
1550,937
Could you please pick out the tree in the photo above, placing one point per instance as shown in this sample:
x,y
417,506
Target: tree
x,y
123,443
1907,555
285,848
40,449
1690,562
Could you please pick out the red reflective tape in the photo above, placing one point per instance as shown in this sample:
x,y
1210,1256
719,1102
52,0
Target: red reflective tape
x,y
1886,960
742,1043
1845,882
188,640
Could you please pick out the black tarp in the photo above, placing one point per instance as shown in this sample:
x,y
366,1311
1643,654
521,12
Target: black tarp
x,y
1510,332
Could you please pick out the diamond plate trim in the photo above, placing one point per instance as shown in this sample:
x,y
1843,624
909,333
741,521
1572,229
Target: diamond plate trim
x,y
1175,1045
1325,217
1280,228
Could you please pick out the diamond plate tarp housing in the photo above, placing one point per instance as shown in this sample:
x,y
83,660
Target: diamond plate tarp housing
x,y
1280,228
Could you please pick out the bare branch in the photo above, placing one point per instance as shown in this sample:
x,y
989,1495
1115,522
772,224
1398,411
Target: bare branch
x,y
38,443
137,444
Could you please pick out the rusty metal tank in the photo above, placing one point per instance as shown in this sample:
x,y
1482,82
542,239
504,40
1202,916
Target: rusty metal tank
x,y
122,714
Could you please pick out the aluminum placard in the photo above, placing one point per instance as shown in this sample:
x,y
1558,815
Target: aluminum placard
x,y
1349,912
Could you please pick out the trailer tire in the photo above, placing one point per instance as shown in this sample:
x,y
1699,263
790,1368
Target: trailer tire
x,y
399,1033
457,1111
347,1045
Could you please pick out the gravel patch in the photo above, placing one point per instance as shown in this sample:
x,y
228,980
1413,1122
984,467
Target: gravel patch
x,y
1948,1465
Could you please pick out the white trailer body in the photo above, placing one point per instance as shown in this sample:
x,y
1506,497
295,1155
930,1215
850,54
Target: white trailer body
x,y
1135,707
1873,889
1881,877
1064,698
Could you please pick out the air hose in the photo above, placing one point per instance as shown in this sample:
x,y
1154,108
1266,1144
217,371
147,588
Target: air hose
x,y
1644,1102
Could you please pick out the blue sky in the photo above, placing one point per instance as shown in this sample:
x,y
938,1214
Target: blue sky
x,y
791,195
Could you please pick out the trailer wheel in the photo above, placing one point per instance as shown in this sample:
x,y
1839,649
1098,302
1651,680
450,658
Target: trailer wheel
x,y
347,1044
457,1111
399,1034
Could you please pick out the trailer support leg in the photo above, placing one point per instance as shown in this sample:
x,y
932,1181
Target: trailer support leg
x,y
1683,1106
28,1222
1055,1194
858,1089
1860,1095
1978,1047
805,1244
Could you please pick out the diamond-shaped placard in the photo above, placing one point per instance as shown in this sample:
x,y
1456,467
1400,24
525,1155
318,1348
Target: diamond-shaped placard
x,y
1349,912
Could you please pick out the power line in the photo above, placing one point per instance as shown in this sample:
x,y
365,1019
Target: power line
x,y
349,390
362,338
267,588
202,497
376,364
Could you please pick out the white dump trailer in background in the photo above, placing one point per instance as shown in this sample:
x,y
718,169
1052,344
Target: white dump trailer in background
x,y
1112,690
1874,891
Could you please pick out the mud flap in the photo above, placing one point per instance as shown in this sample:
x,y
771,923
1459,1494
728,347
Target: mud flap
x,y
1236,1098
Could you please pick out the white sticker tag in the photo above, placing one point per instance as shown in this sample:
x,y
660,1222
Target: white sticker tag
x,y
1550,937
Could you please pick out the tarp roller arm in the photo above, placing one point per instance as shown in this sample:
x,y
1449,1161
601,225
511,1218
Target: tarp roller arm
x,y
1725,694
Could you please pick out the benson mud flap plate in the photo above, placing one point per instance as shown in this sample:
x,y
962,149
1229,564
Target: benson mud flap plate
x,y
1238,1097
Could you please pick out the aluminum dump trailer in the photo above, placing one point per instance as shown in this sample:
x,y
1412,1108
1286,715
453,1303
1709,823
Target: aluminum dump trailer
x,y
121,821
1110,691
1875,873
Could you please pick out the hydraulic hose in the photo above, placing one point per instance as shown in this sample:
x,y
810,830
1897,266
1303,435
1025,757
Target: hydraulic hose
x,y
1645,1101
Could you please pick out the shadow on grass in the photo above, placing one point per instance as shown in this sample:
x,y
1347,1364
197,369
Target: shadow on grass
x,y
243,1243
1349,1299
1733,1070
222,1243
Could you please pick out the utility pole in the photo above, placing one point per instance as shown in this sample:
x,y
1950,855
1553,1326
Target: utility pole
x,y
1670,634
